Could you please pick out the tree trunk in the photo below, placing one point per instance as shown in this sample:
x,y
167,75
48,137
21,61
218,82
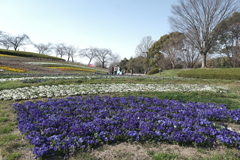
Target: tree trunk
x,y
204,60
90,60
173,65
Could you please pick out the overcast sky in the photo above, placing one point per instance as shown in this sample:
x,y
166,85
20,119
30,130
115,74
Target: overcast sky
x,y
118,25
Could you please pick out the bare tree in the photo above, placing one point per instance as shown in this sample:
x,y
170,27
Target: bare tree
x,y
60,49
114,59
142,48
103,56
5,43
70,51
17,41
89,53
43,48
198,19
1,37
4,40
189,55
97,64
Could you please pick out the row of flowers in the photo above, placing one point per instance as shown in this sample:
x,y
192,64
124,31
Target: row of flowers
x,y
61,64
4,55
64,125
30,76
58,77
72,69
83,89
12,69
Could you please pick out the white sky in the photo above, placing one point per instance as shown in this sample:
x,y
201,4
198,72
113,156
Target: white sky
x,y
118,25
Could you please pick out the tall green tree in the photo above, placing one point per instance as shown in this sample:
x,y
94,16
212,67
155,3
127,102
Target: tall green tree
x,y
229,39
155,57
136,64
123,64
169,45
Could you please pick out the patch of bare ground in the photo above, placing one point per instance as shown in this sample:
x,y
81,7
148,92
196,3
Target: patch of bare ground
x,y
138,151
234,127
22,147
126,151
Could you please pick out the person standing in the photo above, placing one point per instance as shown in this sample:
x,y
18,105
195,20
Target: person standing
x,y
112,70
115,69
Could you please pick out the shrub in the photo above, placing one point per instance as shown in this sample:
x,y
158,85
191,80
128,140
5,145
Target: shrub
x,y
153,71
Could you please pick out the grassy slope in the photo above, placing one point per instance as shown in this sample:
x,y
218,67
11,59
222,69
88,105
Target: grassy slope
x,y
22,61
28,54
168,73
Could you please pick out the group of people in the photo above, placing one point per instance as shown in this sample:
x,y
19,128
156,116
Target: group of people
x,y
116,70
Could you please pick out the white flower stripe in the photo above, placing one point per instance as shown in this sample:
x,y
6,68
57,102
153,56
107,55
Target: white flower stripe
x,y
71,90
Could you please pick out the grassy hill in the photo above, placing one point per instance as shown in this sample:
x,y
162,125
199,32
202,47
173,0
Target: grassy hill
x,y
29,55
12,62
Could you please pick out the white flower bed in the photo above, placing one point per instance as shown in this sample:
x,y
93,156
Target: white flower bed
x,y
88,77
71,90
65,77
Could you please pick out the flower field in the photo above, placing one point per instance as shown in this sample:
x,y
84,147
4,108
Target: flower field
x,y
72,69
84,77
62,114
4,55
49,64
84,89
65,125
12,69
88,119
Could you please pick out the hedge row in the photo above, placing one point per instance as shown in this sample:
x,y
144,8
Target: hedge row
x,y
210,73
28,54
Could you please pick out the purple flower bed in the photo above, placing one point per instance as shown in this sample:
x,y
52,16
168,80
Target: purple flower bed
x,y
64,125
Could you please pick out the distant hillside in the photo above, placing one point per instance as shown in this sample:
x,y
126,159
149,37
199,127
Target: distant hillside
x,y
33,63
29,55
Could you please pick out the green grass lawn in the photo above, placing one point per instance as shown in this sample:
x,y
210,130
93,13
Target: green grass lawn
x,y
168,73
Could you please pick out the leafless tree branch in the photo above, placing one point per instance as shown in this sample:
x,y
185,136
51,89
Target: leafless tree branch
x,y
198,19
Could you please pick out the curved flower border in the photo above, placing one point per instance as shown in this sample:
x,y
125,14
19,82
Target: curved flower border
x,y
83,89
64,125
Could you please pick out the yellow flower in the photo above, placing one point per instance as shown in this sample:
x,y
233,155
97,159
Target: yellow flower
x,y
13,69
73,69
4,55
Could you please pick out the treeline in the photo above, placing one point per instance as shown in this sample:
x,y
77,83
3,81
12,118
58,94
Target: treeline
x,y
102,57
212,28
